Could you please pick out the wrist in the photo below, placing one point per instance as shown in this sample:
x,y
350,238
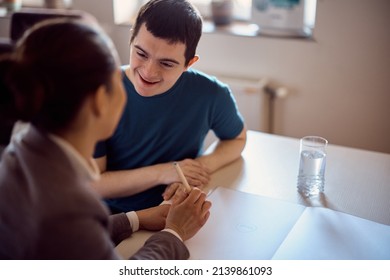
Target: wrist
x,y
163,171
179,232
174,233
207,162
134,220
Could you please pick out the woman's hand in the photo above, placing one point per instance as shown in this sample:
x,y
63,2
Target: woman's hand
x,y
153,218
188,213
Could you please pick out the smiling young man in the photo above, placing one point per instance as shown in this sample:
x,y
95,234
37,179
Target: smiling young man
x,y
170,109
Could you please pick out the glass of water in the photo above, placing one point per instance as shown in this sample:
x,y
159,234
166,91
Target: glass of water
x,y
311,176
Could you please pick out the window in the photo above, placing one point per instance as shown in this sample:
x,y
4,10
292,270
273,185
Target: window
x,y
295,16
33,3
241,8
125,10
285,17
41,3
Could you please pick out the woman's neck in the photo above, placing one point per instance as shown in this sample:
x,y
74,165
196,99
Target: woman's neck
x,y
80,142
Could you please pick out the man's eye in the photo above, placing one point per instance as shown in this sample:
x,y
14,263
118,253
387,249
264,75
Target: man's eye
x,y
167,64
141,54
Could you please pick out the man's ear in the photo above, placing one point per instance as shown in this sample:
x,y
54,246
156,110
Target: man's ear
x,y
192,61
99,101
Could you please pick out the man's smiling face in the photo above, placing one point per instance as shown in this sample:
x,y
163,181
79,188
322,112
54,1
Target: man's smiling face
x,y
155,64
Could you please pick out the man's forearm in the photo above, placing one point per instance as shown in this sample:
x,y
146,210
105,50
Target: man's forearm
x,y
129,182
225,152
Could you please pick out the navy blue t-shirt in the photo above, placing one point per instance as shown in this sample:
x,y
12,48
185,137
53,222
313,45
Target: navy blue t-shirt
x,y
168,127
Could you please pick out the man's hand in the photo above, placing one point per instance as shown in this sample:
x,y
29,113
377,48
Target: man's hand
x,y
196,173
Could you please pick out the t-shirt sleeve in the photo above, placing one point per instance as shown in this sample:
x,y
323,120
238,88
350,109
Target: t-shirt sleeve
x,y
100,149
227,121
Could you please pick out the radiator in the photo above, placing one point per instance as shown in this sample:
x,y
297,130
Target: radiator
x,y
251,100
255,100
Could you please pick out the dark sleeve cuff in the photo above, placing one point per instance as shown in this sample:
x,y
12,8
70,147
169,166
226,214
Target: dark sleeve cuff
x,y
120,227
162,246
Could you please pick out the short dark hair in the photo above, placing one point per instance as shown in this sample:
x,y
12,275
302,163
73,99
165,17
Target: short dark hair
x,y
172,20
53,70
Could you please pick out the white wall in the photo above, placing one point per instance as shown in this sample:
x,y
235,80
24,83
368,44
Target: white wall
x,y
339,83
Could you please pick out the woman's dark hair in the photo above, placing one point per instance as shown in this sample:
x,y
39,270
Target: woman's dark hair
x,y
55,66
172,20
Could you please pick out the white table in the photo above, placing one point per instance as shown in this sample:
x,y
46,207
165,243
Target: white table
x,y
357,181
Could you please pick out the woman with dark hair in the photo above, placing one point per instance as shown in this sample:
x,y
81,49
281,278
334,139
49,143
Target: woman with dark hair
x,y
64,79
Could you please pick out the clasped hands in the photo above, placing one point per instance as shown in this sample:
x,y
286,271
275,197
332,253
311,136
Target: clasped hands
x,y
196,173
187,212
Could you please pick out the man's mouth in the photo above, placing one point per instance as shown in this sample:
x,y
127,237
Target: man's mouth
x,y
147,81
